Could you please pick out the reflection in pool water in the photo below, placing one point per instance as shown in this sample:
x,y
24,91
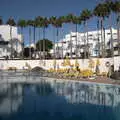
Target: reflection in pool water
x,y
58,100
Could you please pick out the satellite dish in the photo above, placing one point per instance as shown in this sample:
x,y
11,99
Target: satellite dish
x,y
107,64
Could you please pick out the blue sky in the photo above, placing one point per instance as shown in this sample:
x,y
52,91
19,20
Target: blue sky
x,y
29,9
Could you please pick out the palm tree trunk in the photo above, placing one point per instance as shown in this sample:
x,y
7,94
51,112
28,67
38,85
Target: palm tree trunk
x,y
87,48
118,33
44,43
40,45
62,50
79,48
34,42
98,38
22,42
30,43
16,49
111,33
71,45
11,42
57,43
104,43
102,49
62,46
54,54
85,56
76,40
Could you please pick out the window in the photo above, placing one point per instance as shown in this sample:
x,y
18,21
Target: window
x,y
90,35
73,35
67,54
73,53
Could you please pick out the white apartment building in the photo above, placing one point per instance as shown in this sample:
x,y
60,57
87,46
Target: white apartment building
x,y
5,41
67,45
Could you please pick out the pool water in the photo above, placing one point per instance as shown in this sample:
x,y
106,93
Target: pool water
x,y
55,99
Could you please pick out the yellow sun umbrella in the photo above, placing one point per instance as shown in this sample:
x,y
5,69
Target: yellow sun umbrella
x,y
76,63
91,63
97,62
66,62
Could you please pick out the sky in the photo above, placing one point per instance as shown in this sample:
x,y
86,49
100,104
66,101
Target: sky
x,y
29,9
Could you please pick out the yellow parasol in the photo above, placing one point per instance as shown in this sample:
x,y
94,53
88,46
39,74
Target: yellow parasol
x,y
91,63
66,62
76,63
97,62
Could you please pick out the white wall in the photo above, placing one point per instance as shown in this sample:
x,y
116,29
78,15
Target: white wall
x,y
117,63
47,64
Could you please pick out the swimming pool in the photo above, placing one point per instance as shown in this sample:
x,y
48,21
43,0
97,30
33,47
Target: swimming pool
x,y
30,97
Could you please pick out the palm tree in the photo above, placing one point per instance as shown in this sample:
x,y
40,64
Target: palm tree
x,y
30,23
44,24
109,6
38,21
11,23
98,42
34,25
52,21
116,9
101,12
76,21
57,23
62,19
85,16
69,19
22,24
